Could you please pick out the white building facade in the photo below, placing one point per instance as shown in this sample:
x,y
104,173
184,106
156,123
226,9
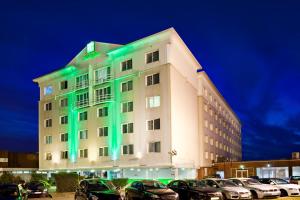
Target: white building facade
x,y
139,110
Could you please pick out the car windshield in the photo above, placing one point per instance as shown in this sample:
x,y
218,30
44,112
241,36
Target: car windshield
x,y
226,183
194,183
280,181
35,185
251,182
153,185
97,185
8,191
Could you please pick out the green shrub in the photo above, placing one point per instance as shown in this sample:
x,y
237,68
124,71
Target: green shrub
x,y
66,182
8,177
120,182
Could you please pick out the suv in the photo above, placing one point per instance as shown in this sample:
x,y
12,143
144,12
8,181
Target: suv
x,y
285,187
229,189
258,190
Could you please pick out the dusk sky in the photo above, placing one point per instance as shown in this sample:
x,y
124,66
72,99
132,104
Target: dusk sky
x,y
250,49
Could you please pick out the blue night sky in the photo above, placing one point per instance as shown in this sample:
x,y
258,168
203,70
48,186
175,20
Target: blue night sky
x,y
250,49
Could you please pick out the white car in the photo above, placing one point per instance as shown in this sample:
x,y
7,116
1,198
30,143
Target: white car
x,y
285,187
258,190
229,189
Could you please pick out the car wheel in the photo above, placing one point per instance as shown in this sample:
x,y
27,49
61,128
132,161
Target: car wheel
x,y
254,195
283,193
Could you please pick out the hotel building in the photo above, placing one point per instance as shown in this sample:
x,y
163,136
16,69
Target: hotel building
x,y
141,110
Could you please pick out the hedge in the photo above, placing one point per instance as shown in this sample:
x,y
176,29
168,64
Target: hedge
x,y
66,182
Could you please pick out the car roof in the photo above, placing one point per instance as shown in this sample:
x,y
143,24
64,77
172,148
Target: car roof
x,y
240,178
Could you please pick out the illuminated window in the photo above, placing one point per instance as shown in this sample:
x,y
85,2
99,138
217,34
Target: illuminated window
x,y
64,119
103,131
48,139
206,123
63,85
103,151
48,123
127,86
153,102
90,47
64,137
152,57
102,75
126,65
48,156
127,128
48,90
64,102
211,156
154,147
206,139
206,155
127,107
48,106
152,79
83,134
83,116
128,149
217,144
83,153
64,155
103,112
211,141
153,124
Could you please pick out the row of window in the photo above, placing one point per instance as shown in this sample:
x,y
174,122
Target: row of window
x,y
219,145
103,131
128,149
103,74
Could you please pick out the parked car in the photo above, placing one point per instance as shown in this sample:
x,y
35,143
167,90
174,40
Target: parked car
x,y
37,189
257,189
95,188
149,189
285,187
193,189
10,192
229,189
295,180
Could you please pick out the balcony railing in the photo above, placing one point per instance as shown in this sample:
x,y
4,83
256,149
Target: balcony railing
x,y
103,98
82,103
103,80
83,84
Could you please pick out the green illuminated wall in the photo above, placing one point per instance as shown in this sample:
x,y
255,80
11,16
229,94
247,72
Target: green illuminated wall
x,y
72,127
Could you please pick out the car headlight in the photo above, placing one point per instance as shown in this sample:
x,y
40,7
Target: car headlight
x,y
45,190
176,195
154,196
233,193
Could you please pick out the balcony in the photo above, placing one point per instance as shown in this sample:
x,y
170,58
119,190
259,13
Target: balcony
x,y
82,103
102,80
103,98
82,84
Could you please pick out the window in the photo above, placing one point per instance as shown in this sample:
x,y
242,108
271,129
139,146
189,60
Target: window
x,y
64,102
90,47
103,131
154,147
152,57
83,134
48,139
82,81
206,139
48,123
48,156
211,127
206,155
64,119
211,141
127,86
128,149
217,144
152,79
64,154
83,116
48,106
82,99
153,102
63,85
103,112
83,153
206,123
205,107
103,94
211,156
127,128
64,137
48,90
153,124
127,106
102,74
103,151
126,65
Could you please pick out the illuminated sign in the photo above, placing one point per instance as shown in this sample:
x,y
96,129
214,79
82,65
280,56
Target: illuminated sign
x,y
48,90
90,47
4,160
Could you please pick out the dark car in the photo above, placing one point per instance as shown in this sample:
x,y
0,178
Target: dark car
x,y
149,189
10,192
37,189
295,180
94,189
193,189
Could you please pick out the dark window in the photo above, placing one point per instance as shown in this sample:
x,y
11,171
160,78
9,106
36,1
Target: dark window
x,y
126,65
64,85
